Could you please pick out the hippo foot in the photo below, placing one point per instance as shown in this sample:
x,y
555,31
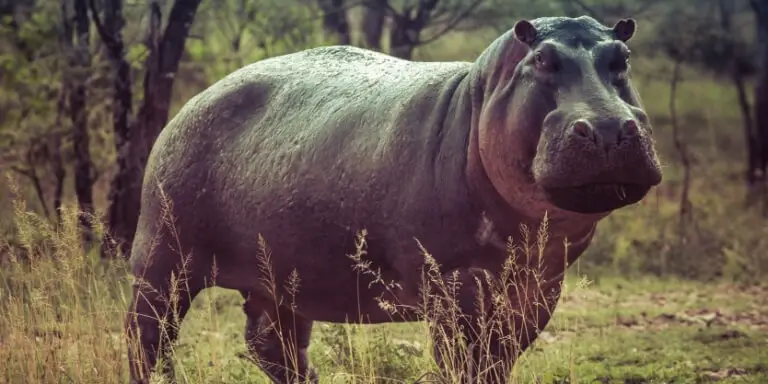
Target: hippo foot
x,y
277,340
149,338
309,377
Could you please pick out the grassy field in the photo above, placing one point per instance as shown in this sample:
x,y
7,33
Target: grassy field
x,y
612,331
61,316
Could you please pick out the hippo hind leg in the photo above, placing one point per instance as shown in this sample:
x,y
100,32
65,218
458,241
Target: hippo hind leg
x,y
277,340
162,295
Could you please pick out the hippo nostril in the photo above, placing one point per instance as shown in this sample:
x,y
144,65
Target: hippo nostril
x,y
630,128
583,129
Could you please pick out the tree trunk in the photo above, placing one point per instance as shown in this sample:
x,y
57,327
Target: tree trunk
x,y
761,94
373,23
401,40
753,149
401,37
161,67
243,22
112,36
682,150
761,117
79,115
734,67
758,143
57,162
405,35
59,173
335,19
29,170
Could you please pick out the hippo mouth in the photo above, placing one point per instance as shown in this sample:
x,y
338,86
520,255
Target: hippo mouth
x,y
596,198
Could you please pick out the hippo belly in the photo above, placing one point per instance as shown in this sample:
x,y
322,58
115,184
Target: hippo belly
x,y
309,265
317,246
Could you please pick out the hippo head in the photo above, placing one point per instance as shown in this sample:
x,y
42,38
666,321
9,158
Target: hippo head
x,y
560,117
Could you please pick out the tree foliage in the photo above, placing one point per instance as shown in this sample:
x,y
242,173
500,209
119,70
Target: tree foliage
x,y
31,63
231,33
414,22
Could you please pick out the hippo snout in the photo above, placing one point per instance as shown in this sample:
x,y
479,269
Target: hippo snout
x,y
597,164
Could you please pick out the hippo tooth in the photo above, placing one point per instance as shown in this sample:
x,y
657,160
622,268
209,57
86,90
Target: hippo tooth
x,y
620,192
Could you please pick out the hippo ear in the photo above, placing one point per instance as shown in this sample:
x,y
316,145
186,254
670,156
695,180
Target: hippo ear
x,y
525,32
624,29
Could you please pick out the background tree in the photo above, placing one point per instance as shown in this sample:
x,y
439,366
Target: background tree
x,y
253,30
32,116
756,173
680,38
122,101
730,53
706,37
162,63
409,19
374,17
335,20
79,72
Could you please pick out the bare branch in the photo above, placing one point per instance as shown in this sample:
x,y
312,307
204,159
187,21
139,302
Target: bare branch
x,y
31,174
453,23
21,171
391,10
105,37
586,8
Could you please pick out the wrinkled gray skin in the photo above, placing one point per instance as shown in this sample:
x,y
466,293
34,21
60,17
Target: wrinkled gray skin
x,y
309,148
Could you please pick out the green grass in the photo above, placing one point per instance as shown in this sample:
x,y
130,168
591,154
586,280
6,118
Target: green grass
x,y
616,330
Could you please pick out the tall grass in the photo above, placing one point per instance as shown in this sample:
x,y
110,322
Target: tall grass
x,y
58,305
62,311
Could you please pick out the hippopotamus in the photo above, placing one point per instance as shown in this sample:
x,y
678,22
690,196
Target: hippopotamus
x,y
292,164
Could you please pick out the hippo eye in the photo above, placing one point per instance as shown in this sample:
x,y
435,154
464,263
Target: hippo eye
x,y
543,63
621,64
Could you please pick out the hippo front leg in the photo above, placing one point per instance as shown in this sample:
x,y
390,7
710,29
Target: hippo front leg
x,y
278,341
496,325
